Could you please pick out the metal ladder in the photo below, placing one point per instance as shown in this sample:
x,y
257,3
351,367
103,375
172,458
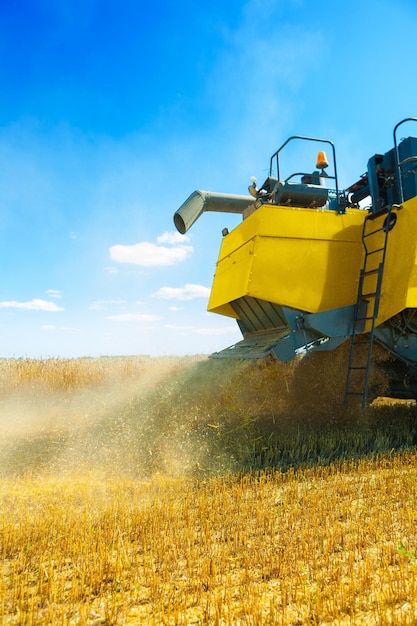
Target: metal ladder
x,y
366,309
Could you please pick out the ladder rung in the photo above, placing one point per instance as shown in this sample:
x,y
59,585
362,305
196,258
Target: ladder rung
x,y
354,393
373,232
370,272
358,367
375,251
368,295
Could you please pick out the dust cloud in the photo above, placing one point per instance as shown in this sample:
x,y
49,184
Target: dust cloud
x,y
139,416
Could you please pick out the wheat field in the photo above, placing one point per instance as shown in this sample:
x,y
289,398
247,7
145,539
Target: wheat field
x,y
184,490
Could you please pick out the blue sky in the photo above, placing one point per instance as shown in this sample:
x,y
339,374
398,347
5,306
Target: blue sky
x,y
112,113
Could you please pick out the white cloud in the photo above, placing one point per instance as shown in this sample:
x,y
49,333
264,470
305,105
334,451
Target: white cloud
x,y
133,317
188,292
175,308
34,305
54,293
149,254
103,305
172,237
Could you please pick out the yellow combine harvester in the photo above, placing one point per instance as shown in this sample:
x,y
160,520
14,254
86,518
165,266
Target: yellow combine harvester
x,y
309,267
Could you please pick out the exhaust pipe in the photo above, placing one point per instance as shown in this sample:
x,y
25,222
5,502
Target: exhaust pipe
x,y
201,201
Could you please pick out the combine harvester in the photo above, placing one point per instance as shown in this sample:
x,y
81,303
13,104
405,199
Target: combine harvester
x,y
309,267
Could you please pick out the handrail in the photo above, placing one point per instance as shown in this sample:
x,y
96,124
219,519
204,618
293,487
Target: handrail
x,y
398,163
275,156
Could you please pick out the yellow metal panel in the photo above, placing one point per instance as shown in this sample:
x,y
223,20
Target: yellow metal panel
x,y
399,283
224,309
304,258
232,278
313,275
277,221
412,295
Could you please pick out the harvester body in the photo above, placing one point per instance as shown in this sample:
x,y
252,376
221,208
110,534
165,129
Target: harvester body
x,y
309,268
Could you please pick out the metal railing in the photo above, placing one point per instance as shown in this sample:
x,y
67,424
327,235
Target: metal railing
x,y
334,177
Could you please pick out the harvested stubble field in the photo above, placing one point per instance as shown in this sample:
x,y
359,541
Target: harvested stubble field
x,y
185,490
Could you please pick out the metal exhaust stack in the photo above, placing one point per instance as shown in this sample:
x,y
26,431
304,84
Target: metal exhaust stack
x,y
201,201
